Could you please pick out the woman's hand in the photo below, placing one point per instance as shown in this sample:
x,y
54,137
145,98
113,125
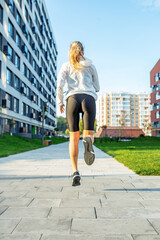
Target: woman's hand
x,y
62,108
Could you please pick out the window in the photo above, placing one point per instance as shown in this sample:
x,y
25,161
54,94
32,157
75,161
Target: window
x,y
27,92
34,64
157,114
8,98
10,28
16,105
17,61
28,73
1,14
16,82
23,109
24,69
29,38
10,52
9,76
20,2
18,18
29,56
157,96
0,68
18,40
26,13
27,110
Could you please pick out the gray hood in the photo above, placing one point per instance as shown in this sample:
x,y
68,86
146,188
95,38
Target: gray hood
x,y
85,63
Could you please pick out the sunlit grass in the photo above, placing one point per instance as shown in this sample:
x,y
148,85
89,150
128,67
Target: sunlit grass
x,y
142,154
14,144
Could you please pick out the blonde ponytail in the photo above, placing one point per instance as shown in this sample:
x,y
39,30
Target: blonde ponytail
x,y
75,54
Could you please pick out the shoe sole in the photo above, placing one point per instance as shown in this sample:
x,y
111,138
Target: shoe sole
x,y
89,155
76,181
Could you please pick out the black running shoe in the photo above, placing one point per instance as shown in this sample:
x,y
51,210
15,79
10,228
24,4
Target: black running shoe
x,y
89,155
76,179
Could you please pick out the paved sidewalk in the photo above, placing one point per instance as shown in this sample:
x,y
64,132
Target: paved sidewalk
x,y
37,201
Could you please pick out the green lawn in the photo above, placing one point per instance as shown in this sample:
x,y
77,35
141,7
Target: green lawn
x,y
14,144
142,154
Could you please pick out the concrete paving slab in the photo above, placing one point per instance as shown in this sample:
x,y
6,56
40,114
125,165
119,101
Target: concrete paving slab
x,y
86,237
73,212
127,212
145,237
123,196
16,202
45,202
53,195
80,203
125,203
20,236
28,212
3,209
43,226
8,225
109,202
155,223
111,226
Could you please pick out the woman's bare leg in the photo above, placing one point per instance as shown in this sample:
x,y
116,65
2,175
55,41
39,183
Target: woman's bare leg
x,y
89,133
73,148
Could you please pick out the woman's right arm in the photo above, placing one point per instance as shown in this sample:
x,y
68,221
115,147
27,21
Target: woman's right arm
x,y
61,80
95,78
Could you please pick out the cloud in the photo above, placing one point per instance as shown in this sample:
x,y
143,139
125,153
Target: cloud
x,y
153,4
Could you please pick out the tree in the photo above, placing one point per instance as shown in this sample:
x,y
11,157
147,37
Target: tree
x,y
62,124
81,126
67,131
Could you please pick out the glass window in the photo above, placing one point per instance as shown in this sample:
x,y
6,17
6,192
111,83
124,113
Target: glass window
x,y
8,98
10,28
28,73
20,2
34,64
26,13
9,76
10,53
29,38
18,18
27,91
24,69
16,105
29,56
1,14
17,61
27,110
18,40
16,82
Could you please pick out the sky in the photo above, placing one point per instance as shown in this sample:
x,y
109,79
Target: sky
x,y
121,37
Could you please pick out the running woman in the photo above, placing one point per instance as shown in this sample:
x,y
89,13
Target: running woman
x,y
82,82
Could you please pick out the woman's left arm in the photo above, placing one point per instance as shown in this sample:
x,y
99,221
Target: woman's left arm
x,y
95,79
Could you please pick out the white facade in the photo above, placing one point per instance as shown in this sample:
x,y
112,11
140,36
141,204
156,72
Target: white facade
x,y
122,108
28,65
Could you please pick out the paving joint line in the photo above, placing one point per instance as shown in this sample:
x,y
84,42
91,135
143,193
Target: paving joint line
x,y
30,202
41,236
70,225
49,212
4,210
16,225
153,226
95,212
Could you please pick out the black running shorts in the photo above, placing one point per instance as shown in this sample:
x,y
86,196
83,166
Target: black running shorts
x,y
80,103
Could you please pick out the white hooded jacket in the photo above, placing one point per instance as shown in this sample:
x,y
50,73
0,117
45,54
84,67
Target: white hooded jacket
x,y
79,81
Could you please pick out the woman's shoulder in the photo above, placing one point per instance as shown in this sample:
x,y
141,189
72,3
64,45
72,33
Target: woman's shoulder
x,y
65,65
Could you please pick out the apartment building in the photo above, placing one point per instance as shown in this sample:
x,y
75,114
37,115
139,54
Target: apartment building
x,y
124,109
155,99
28,67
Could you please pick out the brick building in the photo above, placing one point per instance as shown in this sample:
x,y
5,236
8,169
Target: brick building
x,y
155,99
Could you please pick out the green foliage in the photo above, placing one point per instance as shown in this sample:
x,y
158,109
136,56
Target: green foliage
x,y
14,144
67,131
81,126
142,154
62,124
